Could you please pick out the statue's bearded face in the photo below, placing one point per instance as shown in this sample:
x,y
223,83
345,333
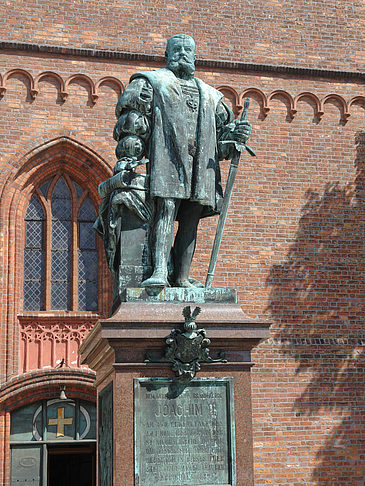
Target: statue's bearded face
x,y
180,54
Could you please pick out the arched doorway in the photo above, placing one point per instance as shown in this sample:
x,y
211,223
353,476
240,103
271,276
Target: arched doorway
x,y
40,342
53,443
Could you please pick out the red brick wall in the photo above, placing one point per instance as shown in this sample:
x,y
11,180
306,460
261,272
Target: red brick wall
x,y
292,32
293,245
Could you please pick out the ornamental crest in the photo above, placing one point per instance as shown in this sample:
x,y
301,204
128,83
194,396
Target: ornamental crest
x,y
187,348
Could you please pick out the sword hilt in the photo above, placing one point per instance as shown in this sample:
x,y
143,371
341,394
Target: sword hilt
x,y
246,104
239,146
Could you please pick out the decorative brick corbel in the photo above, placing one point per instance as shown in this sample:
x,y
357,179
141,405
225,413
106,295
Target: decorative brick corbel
x,y
32,90
112,80
280,92
93,95
344,106
2,87
306,94
53,75
232,95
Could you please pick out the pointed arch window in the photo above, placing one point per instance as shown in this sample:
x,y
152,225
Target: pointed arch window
x,y
60,256
34,256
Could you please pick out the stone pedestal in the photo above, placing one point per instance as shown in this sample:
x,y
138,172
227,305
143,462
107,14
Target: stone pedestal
x,y
117,347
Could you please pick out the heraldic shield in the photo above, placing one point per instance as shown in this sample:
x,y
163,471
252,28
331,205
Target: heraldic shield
x,y
187,348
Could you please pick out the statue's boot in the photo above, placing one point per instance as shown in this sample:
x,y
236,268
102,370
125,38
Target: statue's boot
x,y
157,279
184,283
190,283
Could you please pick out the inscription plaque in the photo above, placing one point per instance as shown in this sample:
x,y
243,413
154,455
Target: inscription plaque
x,y
184,434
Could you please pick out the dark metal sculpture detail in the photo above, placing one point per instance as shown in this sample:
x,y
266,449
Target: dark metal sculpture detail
x,y
179,128
187,348
238,148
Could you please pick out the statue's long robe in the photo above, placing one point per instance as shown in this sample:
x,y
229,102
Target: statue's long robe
x,y
168,146
167,143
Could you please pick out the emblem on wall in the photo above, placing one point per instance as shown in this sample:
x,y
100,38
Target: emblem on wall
x,y
187,348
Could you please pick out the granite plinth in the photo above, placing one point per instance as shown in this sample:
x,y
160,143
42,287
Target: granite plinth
x,y
117,347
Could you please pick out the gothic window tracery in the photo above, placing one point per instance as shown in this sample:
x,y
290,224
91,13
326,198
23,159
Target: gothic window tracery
x,y
34,256
60,256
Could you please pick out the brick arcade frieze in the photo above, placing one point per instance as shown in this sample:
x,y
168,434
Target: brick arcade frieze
x,y
55,342
236,98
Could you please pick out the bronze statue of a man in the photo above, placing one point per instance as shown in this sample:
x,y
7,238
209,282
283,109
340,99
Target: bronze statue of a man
x,y
176,121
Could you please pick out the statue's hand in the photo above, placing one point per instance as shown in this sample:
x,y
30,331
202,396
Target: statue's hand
x,y
128,163
242,131
125,163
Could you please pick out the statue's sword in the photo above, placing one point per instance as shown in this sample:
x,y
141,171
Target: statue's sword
x,y
238,148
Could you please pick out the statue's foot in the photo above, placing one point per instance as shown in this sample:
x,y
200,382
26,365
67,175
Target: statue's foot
x,y
184,283
188,283
196,283
156,280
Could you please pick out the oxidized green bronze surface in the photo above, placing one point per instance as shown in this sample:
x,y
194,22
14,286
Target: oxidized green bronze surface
x,y
178,128
176,294
187,348
184,435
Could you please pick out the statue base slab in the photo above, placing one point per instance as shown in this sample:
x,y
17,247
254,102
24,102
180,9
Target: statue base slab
x,y
117,348
196,295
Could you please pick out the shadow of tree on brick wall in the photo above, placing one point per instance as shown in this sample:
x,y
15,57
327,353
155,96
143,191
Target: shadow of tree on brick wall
x,y
318,303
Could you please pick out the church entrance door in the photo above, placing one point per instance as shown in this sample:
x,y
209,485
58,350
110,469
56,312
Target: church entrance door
x,y
53,443
71,465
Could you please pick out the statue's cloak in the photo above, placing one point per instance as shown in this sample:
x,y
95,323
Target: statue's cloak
x,y
168,147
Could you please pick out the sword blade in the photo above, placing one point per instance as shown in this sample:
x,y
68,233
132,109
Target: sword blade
x,y
222,217
239,148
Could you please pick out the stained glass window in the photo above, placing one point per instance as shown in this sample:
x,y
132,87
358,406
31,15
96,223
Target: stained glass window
x,y
44,187
72,260
87,258
61,247
34,256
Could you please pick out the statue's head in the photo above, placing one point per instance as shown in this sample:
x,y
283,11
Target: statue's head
x,y
180,55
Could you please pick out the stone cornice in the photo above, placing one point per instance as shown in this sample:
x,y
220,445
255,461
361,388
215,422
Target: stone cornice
x,y
205,63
